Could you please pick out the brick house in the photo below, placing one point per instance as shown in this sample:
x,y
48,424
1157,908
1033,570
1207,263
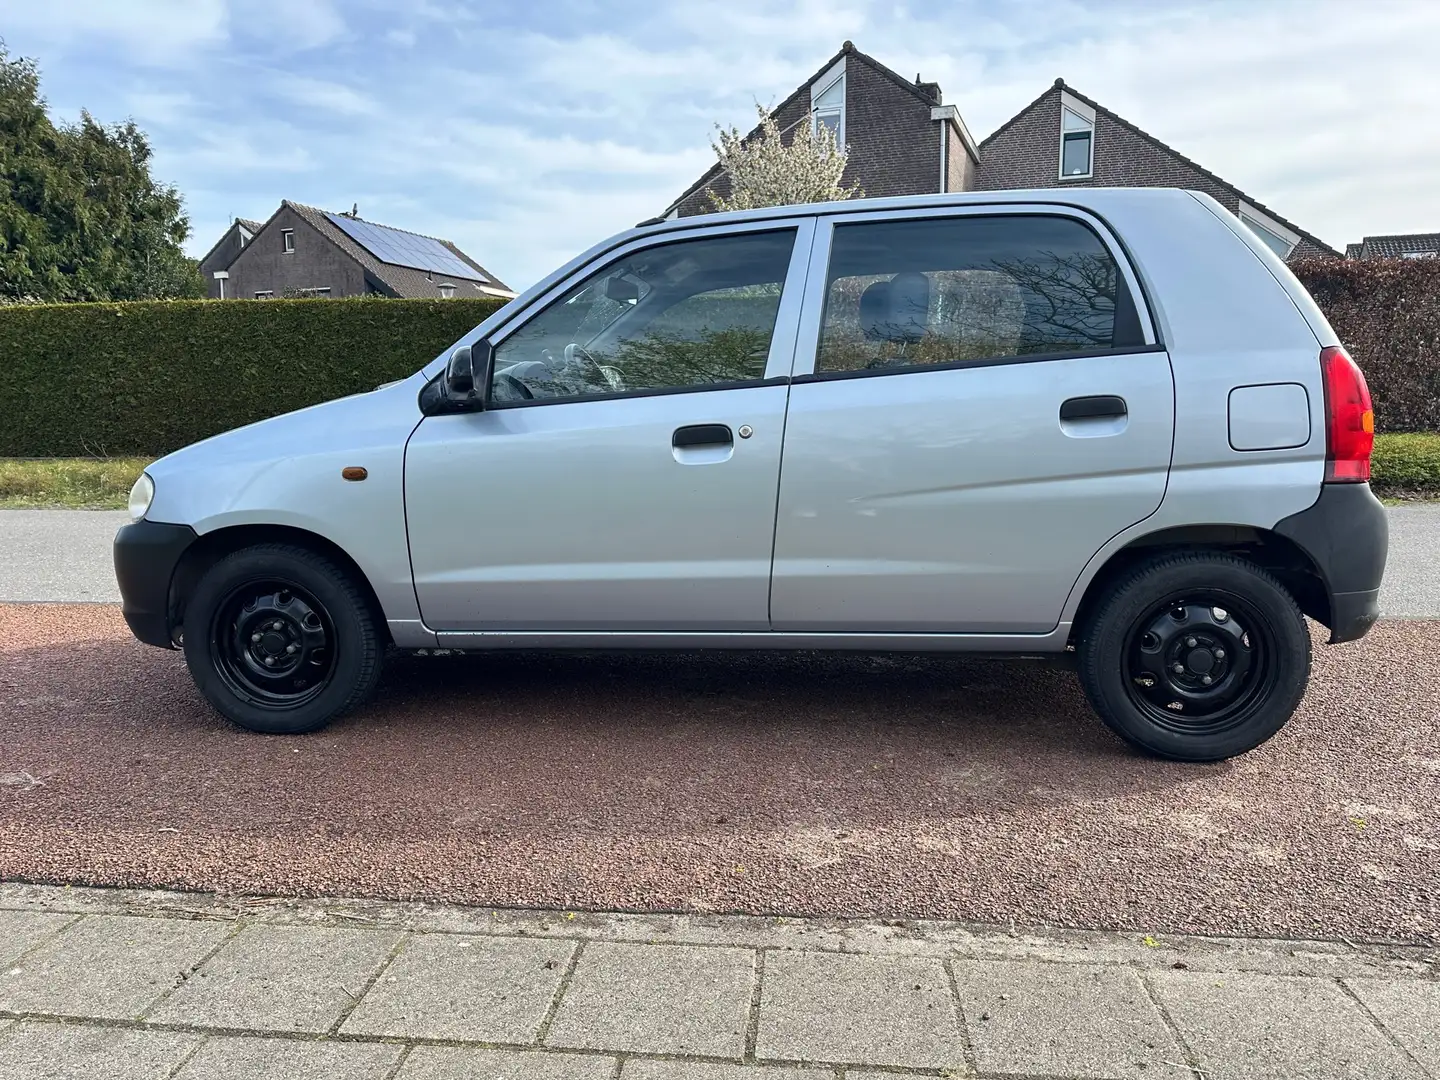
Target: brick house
x,y
904,141
302,251
1398,246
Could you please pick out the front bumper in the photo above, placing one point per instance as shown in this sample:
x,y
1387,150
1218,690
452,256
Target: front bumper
x,y
146,554
1347,534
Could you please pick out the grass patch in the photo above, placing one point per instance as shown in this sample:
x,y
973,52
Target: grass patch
x,y
74,483
1405,467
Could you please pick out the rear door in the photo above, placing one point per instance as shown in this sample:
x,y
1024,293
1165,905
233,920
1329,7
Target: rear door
x,y
978,406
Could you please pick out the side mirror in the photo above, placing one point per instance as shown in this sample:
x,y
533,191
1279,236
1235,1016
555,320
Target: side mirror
x,y
467,375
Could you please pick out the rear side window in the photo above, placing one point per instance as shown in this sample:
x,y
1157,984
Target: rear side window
x,y
929,291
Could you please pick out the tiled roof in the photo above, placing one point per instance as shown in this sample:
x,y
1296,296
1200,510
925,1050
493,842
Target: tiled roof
x,y
848,49
403,281
1397,246
1061,84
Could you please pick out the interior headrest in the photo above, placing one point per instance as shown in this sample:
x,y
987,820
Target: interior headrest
x,y
875,310
896,310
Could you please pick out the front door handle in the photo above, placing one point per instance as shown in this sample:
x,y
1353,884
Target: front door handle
x,y
1100,407
694,436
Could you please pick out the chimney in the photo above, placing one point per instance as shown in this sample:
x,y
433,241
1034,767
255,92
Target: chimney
x,y
929,89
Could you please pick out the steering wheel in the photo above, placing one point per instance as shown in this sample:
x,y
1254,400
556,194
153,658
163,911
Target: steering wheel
x,y
515,384
574,352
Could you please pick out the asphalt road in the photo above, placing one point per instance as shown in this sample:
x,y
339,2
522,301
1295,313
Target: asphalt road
x,y
774,784
64,555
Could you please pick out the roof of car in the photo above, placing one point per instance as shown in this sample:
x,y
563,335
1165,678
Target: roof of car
x,y
1084,198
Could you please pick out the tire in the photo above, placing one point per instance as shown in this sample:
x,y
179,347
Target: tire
x,y
1238,637
281,640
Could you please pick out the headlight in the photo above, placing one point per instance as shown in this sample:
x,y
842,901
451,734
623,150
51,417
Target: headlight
x,y
140,496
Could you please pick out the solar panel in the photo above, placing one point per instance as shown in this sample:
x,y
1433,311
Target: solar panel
x,y
406,249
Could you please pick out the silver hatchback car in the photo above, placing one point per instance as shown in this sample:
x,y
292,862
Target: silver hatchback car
x,y
1106,423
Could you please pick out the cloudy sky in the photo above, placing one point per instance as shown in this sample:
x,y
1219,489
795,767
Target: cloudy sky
x,y
527,131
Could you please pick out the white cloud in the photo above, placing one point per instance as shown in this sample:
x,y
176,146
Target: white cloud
x,y
166,32
302,93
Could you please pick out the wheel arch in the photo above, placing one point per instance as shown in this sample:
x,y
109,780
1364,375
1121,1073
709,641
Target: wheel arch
x,y
1278,554
213,546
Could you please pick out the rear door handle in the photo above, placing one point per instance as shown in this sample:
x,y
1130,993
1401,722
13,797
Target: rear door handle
x,y
698,435
1100,407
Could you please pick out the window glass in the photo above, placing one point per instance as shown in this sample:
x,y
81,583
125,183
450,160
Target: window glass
x,y
689,313
1075,154
947,290
1277,244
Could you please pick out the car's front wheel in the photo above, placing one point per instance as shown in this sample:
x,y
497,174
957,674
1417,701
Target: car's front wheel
x,y
1196,656
281,640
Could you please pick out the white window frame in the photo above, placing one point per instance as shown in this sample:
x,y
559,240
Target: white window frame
x,y
821,86
1083,112
265,294
1251,216
447,290
287,241
318,292
1417,255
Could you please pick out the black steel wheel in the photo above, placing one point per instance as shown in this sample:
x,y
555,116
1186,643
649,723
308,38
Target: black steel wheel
x,y
274,643
281,640
1196,656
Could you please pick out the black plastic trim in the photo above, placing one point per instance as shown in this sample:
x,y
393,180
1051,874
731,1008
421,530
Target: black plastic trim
x,y
146,554
1347,534
702,435
957,365
1098,406
661,391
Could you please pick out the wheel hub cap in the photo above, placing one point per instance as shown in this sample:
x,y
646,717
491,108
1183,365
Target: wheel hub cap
x,y
1192,662
275,645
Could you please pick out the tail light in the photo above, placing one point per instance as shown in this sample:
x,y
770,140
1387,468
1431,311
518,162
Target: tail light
x,y
1349,419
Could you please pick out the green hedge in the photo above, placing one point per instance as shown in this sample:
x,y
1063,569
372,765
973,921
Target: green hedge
x,y
148,378
1387,314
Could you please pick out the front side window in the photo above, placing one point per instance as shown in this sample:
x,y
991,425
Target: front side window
x,y
693,313
287,240
927,291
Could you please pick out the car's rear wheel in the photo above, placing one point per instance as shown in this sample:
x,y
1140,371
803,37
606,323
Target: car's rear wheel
x,y
281,640
1195,656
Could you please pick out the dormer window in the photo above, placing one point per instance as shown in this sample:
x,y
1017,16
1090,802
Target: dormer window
x,y
447,290
827,101
1272,234
1077,139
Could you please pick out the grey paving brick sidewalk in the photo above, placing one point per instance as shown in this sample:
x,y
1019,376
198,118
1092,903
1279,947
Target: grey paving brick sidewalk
x,y
152,985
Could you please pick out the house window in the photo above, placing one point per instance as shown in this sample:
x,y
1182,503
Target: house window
x,y
265,294
1077,138
1417,255
827,101
317,293
1275,236
287,238
447,291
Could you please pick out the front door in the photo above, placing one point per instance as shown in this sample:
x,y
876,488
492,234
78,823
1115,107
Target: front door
x,y
626,477
984,412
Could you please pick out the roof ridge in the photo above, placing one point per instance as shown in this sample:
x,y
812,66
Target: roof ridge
x,y
1399,235
1168,149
